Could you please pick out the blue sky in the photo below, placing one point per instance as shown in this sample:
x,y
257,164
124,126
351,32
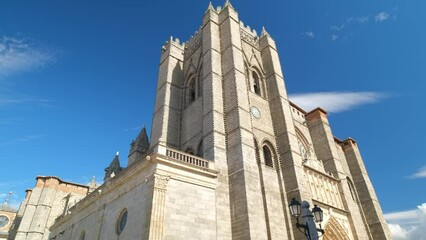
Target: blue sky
x,y
77,81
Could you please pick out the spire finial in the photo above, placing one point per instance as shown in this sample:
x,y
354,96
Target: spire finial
x,y
227,3
117,153
8,199
210,7
264,32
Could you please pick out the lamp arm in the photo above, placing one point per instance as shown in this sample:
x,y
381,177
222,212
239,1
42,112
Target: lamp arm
x,y
320,231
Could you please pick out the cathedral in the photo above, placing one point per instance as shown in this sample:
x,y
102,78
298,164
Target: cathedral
x,y
227,153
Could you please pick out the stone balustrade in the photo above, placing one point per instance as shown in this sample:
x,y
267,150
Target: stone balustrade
x,y
184,157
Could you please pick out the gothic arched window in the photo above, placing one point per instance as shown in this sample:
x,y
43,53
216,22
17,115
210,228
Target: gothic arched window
x,y
302,148
267,155
192,90
256,83
351,188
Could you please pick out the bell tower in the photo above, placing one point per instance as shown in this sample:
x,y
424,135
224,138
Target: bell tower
x,y
222,96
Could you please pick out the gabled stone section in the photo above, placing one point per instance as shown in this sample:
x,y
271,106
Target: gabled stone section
x,y
113,169
139,147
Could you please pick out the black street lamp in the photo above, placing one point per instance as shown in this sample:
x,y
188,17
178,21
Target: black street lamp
x,y
308,227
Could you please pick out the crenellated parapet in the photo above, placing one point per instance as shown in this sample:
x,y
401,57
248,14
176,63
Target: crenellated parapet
x,y
172,47
249,35
194,42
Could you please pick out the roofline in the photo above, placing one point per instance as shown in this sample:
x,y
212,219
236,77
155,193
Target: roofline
x,y
316,109
62,181
297,107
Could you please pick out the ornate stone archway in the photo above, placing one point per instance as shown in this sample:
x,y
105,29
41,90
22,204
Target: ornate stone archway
x,y
334,231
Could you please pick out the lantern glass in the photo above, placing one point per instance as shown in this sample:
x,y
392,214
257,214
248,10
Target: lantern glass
x,y
295,208
318,214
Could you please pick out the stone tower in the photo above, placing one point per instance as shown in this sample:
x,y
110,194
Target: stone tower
x,y
228,152
222,96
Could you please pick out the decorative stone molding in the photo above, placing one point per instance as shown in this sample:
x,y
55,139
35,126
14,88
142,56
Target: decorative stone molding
x,y
334,231
324,188
156,230
249,38
193,44
160,181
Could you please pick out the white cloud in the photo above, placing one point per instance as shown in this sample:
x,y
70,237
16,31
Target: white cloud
x,y
335,101
23,139
7,101
362,20
337,27
381,16
403,215
334,37
421,173
19,55
408,225
309,34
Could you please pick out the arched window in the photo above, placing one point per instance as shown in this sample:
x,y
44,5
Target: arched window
x,y
192,88
302,148
267,156
351,188
256,83
303,145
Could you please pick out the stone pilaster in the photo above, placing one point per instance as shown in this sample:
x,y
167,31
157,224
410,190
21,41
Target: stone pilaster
x,y
248,219
325,149
167,112
295,184
39,205
367,196
214,140
156,229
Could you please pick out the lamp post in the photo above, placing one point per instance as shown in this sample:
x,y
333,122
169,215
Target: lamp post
x,y
307,227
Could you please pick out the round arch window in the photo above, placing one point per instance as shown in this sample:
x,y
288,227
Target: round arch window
x,y
121,222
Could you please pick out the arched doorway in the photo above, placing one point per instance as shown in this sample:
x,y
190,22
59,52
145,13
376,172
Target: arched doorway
x,y
334,231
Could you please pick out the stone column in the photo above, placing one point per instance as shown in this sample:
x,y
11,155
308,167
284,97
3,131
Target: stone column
x,y
156,228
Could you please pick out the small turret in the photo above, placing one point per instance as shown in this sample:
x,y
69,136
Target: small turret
x,y
139,147
6,206
113,168
93,185
210,7
227,4
264,32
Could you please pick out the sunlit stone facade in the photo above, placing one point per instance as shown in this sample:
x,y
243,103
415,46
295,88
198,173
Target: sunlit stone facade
x,y
228,151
